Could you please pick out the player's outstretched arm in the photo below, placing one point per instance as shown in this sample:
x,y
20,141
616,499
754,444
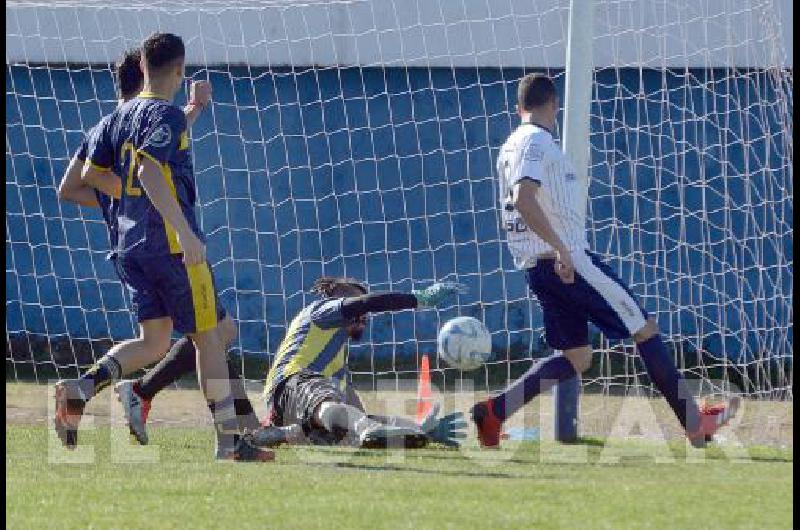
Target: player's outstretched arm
x,y
433,296
534,216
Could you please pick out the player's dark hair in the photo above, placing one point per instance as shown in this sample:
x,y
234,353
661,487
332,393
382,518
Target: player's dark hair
x,y
162,50
129,74
329,286
535,90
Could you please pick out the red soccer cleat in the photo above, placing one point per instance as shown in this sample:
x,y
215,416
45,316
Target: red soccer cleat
x,y
489,425
70,402
712,418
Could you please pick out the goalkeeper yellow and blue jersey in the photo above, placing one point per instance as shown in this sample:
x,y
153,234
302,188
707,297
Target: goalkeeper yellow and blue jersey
x,y
146,127
317,341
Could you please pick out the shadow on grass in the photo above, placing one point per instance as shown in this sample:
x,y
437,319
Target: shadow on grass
x,y
530,448
591,442
773,459
442,472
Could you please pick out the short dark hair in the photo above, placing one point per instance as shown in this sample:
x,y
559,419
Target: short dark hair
x,y
329,286
129,73
535,90
162,50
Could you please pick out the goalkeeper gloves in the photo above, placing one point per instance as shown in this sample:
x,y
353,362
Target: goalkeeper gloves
x,y
447,430
436,294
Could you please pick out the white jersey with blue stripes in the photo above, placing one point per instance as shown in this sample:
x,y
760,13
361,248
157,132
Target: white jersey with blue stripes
x,y
532,153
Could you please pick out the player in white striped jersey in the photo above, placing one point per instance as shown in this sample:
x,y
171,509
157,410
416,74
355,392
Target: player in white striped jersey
x,y
531,153
544,215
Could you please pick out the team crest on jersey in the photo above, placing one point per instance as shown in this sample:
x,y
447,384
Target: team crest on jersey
x,y
534,153
570,176
161,136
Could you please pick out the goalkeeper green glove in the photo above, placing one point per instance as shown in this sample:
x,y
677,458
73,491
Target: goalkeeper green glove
x,y
447,430
436,294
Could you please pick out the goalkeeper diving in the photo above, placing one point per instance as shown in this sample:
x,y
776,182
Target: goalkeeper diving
x,y
309,393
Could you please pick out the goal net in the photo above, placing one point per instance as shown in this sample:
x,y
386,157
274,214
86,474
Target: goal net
x,y
358,138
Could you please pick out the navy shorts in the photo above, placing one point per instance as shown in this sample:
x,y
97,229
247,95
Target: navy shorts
x,y
597,296
163,286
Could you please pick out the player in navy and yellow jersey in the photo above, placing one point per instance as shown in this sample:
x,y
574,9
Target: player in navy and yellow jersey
x,y
129,355
309,394
160,249
129,80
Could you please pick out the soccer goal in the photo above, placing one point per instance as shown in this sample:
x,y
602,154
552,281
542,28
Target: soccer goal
x,y
358,138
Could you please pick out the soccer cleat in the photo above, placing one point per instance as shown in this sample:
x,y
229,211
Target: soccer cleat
x,y
244,450
136,409
273,436
488,425
70,402
376,435
712,418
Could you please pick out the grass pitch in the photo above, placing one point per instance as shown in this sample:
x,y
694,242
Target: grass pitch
x,y
595,484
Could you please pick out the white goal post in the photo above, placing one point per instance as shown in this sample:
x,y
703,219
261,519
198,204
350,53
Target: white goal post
x,y
359,137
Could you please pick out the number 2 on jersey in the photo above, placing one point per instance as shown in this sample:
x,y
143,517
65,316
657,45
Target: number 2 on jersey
x,y
130,189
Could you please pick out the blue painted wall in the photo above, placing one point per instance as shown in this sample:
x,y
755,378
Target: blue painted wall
x,y
387,175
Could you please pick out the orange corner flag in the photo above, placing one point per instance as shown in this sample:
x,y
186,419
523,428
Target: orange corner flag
x,y
424,389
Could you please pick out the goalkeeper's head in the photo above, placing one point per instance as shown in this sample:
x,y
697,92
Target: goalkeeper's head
x,y
129,74
537,99
338,287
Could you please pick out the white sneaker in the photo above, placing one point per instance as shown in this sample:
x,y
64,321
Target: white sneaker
x,y
136,409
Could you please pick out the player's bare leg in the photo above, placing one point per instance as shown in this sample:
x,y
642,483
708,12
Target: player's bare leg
x,y
212,373
72,395
700,423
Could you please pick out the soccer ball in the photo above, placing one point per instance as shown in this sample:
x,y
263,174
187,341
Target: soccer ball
x,y
464,343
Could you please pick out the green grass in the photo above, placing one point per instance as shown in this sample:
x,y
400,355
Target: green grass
x,y
520,487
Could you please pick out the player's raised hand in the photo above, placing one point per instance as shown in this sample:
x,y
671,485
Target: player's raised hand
x,y
194,251
564,267
200,93
438,293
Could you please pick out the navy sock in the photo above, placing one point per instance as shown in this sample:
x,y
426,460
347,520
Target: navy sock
x,y
240,400
99,376
179,360
539,378
669,381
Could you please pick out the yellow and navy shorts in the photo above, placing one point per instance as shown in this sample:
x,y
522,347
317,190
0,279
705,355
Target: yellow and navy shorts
x,y
163,286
